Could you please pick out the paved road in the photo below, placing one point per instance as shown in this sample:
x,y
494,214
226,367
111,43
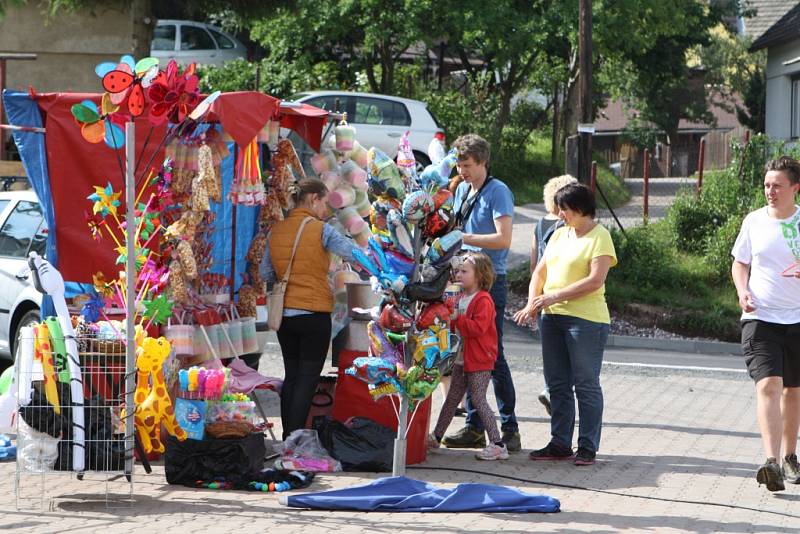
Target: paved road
x,y
678,454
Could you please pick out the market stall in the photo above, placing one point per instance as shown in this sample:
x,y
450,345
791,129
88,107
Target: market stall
x,y
159,201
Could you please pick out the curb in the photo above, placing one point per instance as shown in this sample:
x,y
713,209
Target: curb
x,y
697,346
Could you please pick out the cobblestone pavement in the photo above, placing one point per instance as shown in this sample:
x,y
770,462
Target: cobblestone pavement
x,y
676,443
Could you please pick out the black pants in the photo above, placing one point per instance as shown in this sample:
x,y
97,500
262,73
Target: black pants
x,y
304,341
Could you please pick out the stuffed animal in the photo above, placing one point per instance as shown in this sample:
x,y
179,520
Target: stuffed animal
x,y
153,404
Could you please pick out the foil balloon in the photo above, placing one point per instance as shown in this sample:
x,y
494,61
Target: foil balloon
x,y
417,206
433,313
384,176
372,370
438,174
441,220
428,291
420,382
393,319
401,235
382,389
380,346
444,248
399,264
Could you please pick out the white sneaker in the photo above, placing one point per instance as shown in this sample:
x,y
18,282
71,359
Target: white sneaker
x,y
493,452
433,443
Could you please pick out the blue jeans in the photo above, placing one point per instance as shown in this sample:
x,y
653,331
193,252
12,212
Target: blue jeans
x,y
501,375
572,350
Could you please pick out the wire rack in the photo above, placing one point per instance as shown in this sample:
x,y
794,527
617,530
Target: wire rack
x,y
53,402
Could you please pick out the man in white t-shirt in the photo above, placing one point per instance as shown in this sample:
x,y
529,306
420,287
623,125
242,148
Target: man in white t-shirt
x,y
766,272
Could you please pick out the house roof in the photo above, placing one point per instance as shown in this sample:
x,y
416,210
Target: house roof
x,y
786,29
767,13
615,116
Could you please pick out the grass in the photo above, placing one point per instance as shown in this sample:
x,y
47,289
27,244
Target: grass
x,y
675,291
526,176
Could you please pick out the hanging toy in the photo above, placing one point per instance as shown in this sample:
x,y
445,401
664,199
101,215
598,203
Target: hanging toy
x,y
438,174
345,136
248,187
384,176
417,206
208,173
43,354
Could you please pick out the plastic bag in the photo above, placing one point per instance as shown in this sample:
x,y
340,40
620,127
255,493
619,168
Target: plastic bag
x,y
37,450
236,460
302,450
360,445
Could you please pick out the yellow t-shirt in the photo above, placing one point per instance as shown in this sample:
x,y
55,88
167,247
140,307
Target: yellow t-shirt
x,y
568,260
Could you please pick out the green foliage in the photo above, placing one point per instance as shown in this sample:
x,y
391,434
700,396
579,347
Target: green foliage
x,y
235,75
718,248
613,187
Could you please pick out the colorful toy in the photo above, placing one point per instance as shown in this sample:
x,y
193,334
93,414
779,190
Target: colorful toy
x,y
372,370
345,136
384,176
416,206
400,233
380,346
441,220
428,291
444,248
153,405
420,382
433,313
437,175
44,354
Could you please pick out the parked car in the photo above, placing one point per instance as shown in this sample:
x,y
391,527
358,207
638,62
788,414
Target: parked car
x,y
380,120
22,229
194,42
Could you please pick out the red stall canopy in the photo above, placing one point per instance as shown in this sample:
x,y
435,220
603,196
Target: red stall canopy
x,y
76,166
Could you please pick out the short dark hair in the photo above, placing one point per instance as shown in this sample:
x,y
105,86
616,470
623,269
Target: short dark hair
x,y
577,197
789,166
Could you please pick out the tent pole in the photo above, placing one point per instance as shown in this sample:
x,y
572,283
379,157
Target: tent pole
x,y
130,282
233,224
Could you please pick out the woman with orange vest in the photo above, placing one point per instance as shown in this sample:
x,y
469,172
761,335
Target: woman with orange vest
x,y
305,331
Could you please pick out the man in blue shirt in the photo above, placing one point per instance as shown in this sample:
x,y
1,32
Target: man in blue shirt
x,y
484,208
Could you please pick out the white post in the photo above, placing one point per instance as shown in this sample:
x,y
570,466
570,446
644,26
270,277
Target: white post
x,y
399,459
130,280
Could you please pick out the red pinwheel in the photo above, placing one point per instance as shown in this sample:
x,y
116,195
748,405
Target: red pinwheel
x,y
174,95
127,81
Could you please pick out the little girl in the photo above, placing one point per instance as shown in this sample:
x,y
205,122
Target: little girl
x,y
472,369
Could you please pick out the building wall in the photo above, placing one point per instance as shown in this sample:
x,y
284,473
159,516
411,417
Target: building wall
x,y
68,47
779,88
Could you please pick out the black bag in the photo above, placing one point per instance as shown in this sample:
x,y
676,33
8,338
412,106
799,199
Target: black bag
x,y
360,445
235,460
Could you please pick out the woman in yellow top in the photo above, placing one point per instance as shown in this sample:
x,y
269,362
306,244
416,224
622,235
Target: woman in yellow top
x,y
568,288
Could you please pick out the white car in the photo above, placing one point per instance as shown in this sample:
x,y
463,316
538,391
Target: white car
x,y
380,120
194,42
22,229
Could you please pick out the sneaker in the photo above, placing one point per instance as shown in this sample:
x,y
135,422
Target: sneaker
x,y
791,469
584,456
771,475
512,441
552,452
460,412
466,438
544,398
493,452
433,443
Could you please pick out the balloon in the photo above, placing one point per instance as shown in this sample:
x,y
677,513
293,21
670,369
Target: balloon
x,y
399,263
372,370
417,206
433,313
419,382
393,320
5,379
384,176
380,346
428,291
438,174
444,248
400,233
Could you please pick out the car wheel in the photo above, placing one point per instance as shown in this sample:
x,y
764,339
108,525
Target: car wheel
x,y
29,318
422,161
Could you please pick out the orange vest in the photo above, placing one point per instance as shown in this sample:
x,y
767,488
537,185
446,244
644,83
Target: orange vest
x,y
308,287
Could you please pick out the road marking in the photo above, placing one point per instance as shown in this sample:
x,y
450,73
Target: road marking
x,y
678,367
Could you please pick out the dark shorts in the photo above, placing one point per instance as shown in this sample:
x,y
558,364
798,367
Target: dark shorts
x,y
772,349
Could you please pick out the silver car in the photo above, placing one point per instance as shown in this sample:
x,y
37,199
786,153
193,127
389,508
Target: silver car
x,y
380,120
22,229
187,42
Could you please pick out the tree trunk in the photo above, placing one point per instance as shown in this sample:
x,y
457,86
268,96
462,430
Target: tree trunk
x,y
370,64
555,139
143,24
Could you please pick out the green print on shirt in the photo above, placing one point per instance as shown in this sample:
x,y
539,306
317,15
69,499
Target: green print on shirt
x,y
791,232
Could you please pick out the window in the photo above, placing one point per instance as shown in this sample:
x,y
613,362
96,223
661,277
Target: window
x,y
195,38
163,38
795,107
222,41
328,103
3,203
379,111
24,230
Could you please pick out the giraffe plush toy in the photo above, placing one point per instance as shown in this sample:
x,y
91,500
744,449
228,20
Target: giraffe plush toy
x,y
153,405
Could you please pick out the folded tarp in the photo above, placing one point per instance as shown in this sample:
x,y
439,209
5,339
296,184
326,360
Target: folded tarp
x,y
401,494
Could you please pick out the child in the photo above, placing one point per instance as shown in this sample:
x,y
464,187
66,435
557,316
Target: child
x,y
475,360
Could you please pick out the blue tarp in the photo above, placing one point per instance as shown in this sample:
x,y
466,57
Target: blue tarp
x,y
402,494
